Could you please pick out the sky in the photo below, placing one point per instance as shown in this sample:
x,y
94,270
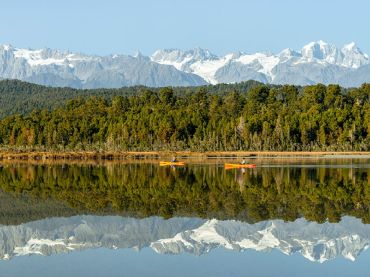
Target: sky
x,y
222,26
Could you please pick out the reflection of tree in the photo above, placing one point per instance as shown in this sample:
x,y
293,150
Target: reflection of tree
x,y
318,194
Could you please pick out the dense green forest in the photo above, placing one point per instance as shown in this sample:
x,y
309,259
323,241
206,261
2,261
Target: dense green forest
x,y
141,190
263,118
18,97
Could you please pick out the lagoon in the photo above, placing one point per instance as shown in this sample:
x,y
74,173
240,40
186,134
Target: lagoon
x,y
288,216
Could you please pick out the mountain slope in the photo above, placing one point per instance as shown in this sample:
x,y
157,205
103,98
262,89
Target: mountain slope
x,y
61,68
316,62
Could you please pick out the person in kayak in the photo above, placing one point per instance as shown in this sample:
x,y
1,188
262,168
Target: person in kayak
x,y
173,159
243,161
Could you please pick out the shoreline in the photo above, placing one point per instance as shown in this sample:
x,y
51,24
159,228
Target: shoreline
x,y
121,155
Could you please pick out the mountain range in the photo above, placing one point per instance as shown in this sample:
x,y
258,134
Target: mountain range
x,y
316,242
316,62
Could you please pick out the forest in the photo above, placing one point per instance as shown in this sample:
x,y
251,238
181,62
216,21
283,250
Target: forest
x,y
247,116
18,97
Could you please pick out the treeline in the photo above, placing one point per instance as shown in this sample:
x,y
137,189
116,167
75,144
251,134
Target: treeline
x,y
141,190
266,118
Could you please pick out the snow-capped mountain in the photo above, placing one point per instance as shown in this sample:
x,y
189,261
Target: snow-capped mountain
x,y
316,62
62,68
316,242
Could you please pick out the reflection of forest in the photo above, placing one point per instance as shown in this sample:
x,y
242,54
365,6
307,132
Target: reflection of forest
x,y
316,193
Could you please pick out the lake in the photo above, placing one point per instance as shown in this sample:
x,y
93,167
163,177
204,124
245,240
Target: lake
x,y
286,217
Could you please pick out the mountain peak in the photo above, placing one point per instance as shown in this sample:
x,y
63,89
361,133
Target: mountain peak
x,y
319,50
138,54
198,66
6,47
176,54
353,56
349,56
350,46
288,52
200,53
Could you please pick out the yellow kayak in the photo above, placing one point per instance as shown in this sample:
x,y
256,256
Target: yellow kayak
x,y
171,163
229,166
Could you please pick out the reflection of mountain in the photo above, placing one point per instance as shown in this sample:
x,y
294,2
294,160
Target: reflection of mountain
x,y
56,235
316,242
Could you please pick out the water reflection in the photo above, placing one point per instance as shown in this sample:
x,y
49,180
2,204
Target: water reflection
x,y
320,193
316,242
319,210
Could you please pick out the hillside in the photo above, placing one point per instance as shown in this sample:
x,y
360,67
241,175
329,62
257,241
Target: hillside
x,y
22,97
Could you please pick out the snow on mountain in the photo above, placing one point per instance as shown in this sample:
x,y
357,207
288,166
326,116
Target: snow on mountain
x,y
267,67
37,246
321,51
179,58
6,47
316,242
198,61
207,65
63,68
316,62
268,62
349,56
288,53
353,56
47,57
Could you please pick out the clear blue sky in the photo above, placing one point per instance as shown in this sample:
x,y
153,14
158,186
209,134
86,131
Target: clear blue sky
x,y
107,27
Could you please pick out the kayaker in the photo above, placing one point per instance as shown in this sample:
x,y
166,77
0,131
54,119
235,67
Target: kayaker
x,y
243,161
173,159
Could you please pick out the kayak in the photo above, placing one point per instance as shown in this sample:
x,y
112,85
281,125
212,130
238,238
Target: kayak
x,y
227,166
171,163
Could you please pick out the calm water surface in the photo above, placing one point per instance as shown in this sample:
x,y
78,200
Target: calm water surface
x,y
287,217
